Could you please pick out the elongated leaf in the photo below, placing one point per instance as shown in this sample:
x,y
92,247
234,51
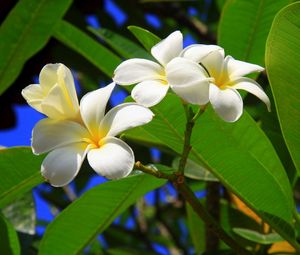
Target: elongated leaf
x,y
120,44
96,209
244,27
197,229
146,38
282,60
238,154
257,237
9,242
19,172
93,51
24,32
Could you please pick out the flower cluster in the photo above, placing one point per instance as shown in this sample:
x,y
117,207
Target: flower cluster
x,y
198,74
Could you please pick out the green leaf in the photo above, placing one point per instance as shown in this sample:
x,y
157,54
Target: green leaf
x,y
9,241
93,51
146,38
257,237
120,44
95,209
244,27
282,61
239,154
25,31
19,173
196,229
21,213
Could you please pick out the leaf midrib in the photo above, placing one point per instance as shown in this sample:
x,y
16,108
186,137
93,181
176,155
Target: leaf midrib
x,y
201,159
254,28
24,32
18,187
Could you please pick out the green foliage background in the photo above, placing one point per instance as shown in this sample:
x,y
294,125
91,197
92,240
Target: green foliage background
x,y
256,158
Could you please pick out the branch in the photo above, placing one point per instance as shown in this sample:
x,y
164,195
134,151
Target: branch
x,y
210,222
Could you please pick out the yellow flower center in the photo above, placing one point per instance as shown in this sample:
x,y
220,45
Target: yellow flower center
x,y
220,79
96,140
163,77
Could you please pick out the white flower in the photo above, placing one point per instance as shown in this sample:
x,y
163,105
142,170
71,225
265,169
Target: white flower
x,y
151,77
70,141
226,78
55,96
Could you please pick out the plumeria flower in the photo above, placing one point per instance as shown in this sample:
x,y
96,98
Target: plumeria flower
x,y
94,135
226,78
55,96
151,77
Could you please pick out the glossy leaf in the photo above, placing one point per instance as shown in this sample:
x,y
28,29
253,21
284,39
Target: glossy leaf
x,y
9,242
146,38
244,27
93,51
96,209
19,173
120,44
24,32
257,237
282,61
249,166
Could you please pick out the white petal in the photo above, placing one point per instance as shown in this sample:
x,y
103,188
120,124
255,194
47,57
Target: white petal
x,y
197,52
66,81
149,93
254,88
194,93
114,159
188,80
136,70
213,62
48,76
33,94
227,103
56,105
125,116
50,134
182,72
59,74
168,48
92,107
62,165
237,68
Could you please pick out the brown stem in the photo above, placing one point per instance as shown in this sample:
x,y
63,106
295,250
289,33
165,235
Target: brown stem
x,y
213,208
211,224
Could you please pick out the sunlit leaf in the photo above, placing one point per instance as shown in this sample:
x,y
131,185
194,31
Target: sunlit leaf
x,y
239,154
24,32
244,27
282,61
95,209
